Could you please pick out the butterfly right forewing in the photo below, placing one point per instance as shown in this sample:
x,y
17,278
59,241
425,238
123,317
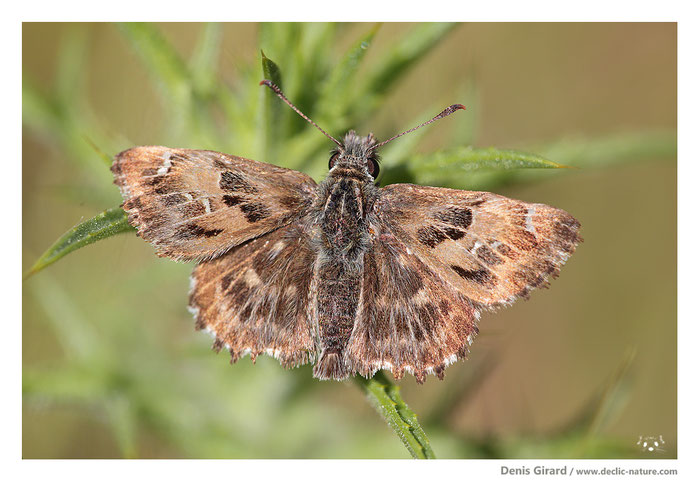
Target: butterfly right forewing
x,y
488,247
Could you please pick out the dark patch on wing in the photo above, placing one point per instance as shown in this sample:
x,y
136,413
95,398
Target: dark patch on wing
x,y
154,181
480,276
459,217
454,233
174,199
505,250
149,171
231,200
407,280
226,281
427,315
165,188
431,236
254,211
290,202
231,181
191,230
487,256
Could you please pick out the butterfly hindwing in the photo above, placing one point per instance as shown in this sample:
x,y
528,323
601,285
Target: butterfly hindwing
x,y
255,298
408,319
194,204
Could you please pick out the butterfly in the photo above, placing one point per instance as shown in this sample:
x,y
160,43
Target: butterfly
x,y
344,274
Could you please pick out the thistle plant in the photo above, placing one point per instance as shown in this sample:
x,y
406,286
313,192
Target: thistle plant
x,y
209,419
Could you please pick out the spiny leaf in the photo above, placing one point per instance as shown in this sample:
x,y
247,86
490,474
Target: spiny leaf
x,y
385,397
605,151
451,165
486,158
104,225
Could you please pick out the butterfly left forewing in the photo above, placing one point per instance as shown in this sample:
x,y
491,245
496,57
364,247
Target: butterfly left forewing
x,y
490,248
194,204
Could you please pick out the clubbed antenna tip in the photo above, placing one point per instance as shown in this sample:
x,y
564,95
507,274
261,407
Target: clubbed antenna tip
x,y
444,113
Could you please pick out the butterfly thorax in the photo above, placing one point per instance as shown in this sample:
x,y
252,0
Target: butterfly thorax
x,y
346,198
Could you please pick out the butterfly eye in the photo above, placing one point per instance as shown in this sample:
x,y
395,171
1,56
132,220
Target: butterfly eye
x,y
331,161
373,167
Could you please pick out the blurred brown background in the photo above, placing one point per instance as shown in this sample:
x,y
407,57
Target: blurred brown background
x,y
546,358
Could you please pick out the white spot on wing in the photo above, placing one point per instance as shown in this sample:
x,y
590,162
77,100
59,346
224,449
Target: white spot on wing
x,y
251,277
528,220
205,203
276,248
167,163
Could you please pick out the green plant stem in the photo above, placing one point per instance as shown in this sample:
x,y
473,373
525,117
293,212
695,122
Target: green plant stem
x,y
386,399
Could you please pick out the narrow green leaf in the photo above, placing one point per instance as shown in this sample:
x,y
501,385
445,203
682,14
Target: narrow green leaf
x,y
70,65
332,101
160,59
203,65
57,122
613,149
385,397
271,112
606,151
39,112
312,64
450,165
104,225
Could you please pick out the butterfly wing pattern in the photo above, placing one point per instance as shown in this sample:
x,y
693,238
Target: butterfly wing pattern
x,y
440,257
195,204
345,275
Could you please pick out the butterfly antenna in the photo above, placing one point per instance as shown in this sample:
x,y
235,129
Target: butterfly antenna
x,y
279,93
444,113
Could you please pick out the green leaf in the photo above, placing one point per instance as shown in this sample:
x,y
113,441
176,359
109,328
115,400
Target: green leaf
x,y
613,149
450,166
161,59
605,151
203,64
332,103
104,225
385,397
271,112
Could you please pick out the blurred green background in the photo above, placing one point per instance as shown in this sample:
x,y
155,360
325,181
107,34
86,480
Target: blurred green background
x,y
112,366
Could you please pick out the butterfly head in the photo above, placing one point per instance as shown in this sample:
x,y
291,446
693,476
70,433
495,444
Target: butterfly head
x,y
357,154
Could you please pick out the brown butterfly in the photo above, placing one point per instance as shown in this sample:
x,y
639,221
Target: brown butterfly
x,y
346,275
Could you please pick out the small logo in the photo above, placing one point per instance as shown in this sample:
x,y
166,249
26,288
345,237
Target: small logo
x,y
651,444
